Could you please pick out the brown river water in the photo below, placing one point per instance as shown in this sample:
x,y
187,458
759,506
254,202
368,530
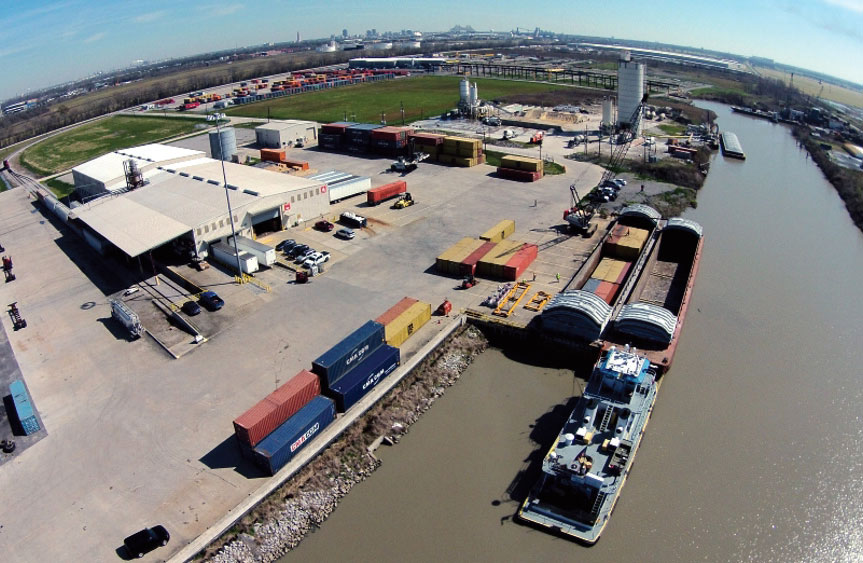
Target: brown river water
x,y
755,448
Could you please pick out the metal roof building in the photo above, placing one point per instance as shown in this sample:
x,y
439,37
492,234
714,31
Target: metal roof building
x,y
184,203
281,134
107,173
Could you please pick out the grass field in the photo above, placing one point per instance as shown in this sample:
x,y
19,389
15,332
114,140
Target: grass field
x,y
812,87
78,145
60,188
421,97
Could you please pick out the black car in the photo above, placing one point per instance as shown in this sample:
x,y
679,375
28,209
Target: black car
x,y
211,301
146,541
191,308
286,245
297,250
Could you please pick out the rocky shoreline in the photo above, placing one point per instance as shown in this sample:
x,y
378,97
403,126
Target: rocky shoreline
x,y
279,523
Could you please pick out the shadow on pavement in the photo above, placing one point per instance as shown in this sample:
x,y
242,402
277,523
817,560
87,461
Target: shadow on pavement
x,y
227,454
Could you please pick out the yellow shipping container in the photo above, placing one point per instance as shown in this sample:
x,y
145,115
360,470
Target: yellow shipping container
x,y
449,261
493,262
468,151
628,245
609,270
521,163
403,326
499,231
463,161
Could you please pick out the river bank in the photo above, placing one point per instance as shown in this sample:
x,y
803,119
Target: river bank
x,y
280,522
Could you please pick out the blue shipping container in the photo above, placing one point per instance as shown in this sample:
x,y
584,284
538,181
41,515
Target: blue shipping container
x,y
283,443
336,361
23,407
363,378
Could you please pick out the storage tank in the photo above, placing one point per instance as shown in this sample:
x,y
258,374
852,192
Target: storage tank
x,y
607,111
382,46
630,88
464,92
474,94
223,144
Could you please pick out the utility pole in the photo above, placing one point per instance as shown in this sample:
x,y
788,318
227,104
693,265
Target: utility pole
x,y
403,113
228,198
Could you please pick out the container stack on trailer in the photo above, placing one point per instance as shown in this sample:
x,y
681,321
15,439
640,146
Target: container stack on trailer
x,y
461,151
358,138
382,193
403,319
332,135
520,168
276,428
390,141
354,366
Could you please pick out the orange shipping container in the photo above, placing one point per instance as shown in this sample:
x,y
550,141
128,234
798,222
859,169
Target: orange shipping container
x,y
607,291
273,155
523,258
468,265
393,312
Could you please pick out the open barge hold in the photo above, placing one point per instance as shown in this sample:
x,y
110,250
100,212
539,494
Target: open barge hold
x,y
651,316
731,145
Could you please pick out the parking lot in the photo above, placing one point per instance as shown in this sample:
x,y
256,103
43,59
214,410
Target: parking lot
x,y
136,437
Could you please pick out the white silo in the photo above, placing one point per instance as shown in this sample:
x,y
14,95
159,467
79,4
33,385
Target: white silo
x,y
474,95
223,144
630,88
464,92
607,111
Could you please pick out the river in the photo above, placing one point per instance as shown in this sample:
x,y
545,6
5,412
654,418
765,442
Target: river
x,y
755,448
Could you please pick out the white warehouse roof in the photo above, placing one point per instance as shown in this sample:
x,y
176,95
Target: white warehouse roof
x,y
285,124
109,167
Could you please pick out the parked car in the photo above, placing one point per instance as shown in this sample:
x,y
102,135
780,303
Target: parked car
x,y
146,541
304,256
325,226
211,301
297,250
286,245
346,234
316,259
191,308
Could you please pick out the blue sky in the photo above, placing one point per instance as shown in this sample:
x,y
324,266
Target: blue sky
x,y
52,41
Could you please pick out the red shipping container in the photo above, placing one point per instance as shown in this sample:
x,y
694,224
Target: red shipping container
x,y
426,138
273,155
256,423
333,128
379,194
521,175
523,258
300,164
393,312
468,265
607,291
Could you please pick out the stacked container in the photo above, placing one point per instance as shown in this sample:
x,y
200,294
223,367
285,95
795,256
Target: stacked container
x,y
467,266
381,193
450,261
493,263
364,377
256,423
341,358
428,143
607,277
461,151
403,319
358,137
286,441
332,135
520,168
390,140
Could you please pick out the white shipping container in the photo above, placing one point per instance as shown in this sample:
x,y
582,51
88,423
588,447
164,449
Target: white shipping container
x,y
266,255
226,255
341,185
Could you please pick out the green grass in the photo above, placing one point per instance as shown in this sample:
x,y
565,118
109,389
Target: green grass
x,y
552,168
81,144
421,97
672,128
60,188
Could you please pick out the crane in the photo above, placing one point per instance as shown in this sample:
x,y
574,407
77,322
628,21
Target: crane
x,y
579,215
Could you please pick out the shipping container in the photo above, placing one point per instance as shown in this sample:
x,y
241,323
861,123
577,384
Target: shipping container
x,y
468,265
500,231
227,256
520,175
297,164
23,407
341,185
337,128
523,258
521,163
403,326
363,378
426,139
393,312
607,291
286,441
266,255
256,423
382,193
450,261
625,242
273,155
591,285
352,349
492,264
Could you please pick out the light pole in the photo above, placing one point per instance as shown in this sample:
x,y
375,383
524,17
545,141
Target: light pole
x,y
228,198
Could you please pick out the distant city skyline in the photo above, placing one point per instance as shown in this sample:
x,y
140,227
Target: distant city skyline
x,y
60,41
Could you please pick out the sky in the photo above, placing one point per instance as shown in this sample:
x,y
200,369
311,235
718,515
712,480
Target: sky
x,y
53,41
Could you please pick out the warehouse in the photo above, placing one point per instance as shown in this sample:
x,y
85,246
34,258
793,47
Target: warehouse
x,y
108,172
183,206
284,134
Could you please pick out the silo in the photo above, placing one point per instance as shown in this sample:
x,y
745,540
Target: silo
x,y
464,92
607,109
630,88
474,95
223,144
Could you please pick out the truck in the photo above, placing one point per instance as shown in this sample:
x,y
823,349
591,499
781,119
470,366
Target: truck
x,y
127,317
353,220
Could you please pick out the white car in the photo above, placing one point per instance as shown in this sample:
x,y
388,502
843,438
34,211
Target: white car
x,y
316,259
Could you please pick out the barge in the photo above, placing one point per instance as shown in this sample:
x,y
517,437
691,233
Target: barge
x,y
652,314
584,471
731,146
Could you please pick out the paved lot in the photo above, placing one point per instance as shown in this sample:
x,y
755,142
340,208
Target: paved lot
x,y
137,438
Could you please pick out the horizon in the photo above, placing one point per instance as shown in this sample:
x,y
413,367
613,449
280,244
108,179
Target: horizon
x,y
105,36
